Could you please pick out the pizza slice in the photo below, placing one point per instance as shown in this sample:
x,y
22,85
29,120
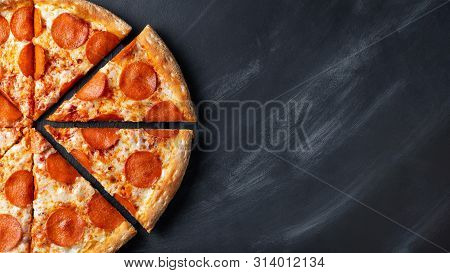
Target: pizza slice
x,y
16,62
141,168
69,214
71,36
8,137
141,83
16,197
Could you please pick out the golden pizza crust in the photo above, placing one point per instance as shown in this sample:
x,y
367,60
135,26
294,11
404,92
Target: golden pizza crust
x,y
166,189
164,63
111,241
14,4
149,47
176,152
93,13
157,50
120,236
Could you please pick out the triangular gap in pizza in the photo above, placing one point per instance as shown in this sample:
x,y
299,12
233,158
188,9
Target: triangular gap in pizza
x,y
141,83
141,168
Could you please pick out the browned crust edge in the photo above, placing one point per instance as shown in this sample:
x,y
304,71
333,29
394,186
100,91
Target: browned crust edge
x,y
120,236
94,13
14,4
113,240
163,58
166,190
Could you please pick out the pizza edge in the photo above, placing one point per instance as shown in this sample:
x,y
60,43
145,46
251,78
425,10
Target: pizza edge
x,y
14,4
92,13
113,241
167,189
157,49
164,62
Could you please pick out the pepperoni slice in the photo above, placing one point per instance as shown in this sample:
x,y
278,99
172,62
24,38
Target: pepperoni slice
x,y
10,232
108,117
126,203
143,169
138,80
8,112
69,31
37,23
26,60
40,62
102,214
97,87
164,111
60,170
19,189
162,134
82,158
65,227
32,61
4,30
100,138
99,45
22,24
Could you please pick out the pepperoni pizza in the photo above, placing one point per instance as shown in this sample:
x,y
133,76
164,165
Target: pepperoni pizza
x,y
141,83
45,205
69,214
70,38
16,197
45,47
16,79
141,168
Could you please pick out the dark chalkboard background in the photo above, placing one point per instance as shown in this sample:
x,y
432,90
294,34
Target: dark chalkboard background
x,y
376,75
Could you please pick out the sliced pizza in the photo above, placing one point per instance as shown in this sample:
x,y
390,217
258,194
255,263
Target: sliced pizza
x,y
141,168
69,214
16,62
71,36
141,83
16,197
8,137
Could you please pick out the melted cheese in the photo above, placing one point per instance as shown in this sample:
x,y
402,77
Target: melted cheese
x,y
130,110
16,159
109,166
51,195
8,137
17,86
65,65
